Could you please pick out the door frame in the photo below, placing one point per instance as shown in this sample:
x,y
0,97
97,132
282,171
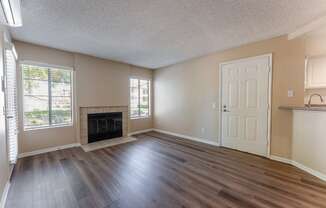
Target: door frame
x,y
270,84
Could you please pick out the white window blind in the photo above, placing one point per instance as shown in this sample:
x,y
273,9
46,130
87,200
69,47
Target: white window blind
x,y
47,94
11,105
139,98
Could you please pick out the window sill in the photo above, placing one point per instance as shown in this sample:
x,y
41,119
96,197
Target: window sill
x,y
140,117
47,127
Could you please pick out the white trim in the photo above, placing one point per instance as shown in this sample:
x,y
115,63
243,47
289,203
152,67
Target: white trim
x,y
245,59
4,195
308,28
311,171
220,103
139,132
139,78
270,83
45,65
50,149
20,92
140,117
47,127
280,159
270,86
188,137
10,46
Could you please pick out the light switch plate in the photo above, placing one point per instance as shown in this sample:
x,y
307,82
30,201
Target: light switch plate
x,y
290,93
214,105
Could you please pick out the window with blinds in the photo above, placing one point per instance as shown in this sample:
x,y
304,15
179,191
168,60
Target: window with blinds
x,y
47,96
139,98
11,105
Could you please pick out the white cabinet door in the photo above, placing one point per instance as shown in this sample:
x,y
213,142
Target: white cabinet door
x,y
245,103
316,72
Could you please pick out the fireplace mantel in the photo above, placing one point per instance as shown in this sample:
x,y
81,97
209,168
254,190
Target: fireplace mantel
x,y
84,111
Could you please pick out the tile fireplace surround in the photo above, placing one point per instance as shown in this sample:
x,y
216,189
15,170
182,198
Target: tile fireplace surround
x,y
84,111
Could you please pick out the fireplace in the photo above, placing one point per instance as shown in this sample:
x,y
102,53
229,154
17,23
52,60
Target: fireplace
x,y
90,110
103,126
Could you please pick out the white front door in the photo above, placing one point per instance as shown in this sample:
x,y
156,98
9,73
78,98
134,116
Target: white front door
x,y
245,104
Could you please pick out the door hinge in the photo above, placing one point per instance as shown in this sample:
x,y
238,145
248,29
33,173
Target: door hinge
x,y
2,84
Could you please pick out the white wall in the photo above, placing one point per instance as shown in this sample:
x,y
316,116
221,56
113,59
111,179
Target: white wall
x,y
309,139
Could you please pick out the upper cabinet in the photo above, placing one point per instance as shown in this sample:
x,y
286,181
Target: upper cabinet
x,y
315,72
315,52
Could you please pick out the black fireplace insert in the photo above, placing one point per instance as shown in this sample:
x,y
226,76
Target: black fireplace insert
x,y
103,126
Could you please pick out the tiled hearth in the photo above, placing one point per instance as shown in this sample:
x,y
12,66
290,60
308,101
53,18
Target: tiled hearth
x,y
84,111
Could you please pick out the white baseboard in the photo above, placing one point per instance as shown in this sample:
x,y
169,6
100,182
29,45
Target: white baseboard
x,y
4,195
139,132
188,137
281,159
316,173
309,170
50,149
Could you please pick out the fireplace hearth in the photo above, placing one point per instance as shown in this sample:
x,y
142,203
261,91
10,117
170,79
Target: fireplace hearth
x,y
103,126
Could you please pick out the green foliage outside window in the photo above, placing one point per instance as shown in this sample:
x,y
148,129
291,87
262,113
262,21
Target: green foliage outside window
x,y
46,102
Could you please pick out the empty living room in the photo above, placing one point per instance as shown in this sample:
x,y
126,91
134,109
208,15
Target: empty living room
x,y
163,104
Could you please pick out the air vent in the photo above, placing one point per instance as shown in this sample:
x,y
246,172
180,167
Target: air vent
x,y
10,13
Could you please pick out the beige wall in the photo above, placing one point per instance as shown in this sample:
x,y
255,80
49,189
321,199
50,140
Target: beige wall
x,y
98,82
42,138
185,92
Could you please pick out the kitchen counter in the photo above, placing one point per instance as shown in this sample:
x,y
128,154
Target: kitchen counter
x,y
304,108
308,140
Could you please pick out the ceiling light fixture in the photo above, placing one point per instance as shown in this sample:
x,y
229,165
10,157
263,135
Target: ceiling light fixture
x,y
11,13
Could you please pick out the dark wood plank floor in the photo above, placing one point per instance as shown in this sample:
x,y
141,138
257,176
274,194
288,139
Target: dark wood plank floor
x,y
160,171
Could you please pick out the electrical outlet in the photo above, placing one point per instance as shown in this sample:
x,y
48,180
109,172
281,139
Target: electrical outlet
x,y
203,130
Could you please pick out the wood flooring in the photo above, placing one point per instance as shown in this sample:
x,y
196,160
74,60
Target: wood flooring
x,y
160,171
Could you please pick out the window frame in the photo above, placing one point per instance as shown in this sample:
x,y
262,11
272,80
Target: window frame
x,y
49,66
149,98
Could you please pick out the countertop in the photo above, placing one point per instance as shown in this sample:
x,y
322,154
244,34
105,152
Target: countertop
x,y
304,108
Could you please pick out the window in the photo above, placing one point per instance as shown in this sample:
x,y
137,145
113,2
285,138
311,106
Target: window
x,y
11,104
139,98
47,96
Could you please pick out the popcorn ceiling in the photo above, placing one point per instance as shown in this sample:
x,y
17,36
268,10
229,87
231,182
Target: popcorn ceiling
x,y
157,33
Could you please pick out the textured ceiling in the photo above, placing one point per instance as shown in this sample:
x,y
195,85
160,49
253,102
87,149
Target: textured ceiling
x,y
156,33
